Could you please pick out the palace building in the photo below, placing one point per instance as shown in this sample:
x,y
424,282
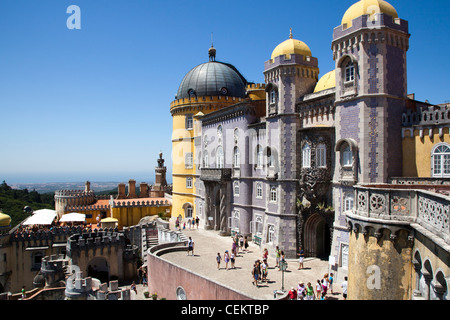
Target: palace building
x,y
326,163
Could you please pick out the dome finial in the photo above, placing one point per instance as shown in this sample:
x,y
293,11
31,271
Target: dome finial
x,y
290,33
212,51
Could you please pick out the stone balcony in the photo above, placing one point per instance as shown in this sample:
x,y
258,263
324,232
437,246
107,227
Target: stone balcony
x,y
402,206
215,174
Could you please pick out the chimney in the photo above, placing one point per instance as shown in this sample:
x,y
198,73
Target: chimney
x,y
131,188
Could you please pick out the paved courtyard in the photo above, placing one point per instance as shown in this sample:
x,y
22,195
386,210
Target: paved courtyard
x,y
208,243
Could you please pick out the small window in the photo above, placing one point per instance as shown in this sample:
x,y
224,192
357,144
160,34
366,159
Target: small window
x,y
349,202
206,160
236,157
270,158
189,182
321,160
259,156
189,122
236,188
188,164
219,157
259,190
270,233
273,194
349,72
273,96
306,156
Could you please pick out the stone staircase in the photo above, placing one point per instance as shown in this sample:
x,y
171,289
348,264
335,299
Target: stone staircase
x,y
149,239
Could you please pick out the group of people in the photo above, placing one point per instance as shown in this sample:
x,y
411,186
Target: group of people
x,y
191,223
239,243
319,292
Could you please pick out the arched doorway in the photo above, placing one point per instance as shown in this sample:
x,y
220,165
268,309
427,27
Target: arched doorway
x,y
317,237
98,268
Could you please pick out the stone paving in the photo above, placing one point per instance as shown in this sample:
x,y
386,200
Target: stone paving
x,y
208,243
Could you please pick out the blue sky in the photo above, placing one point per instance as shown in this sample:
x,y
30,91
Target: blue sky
x,y
94,103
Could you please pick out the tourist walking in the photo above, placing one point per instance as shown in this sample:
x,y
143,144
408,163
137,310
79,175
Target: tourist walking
x,y
226,258
264,271
277,256
218,260
301,256
193,224
330,283
232,260
301,291
245,243
197,221
310,292
256,272
265,255
325,284
344,286
241,242
190,246
133,287
318,289
292,294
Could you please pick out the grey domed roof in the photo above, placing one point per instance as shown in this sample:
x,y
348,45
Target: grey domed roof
x,y
212,79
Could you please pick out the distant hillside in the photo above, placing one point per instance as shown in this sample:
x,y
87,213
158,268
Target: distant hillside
x,y
13,201
51,187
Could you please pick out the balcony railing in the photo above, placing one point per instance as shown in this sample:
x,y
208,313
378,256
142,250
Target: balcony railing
x,y
428,209
215,174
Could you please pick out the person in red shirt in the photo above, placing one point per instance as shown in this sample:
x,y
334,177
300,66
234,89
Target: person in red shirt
x,y
292,294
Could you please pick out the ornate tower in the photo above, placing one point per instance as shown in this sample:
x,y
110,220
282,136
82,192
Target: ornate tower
x,y
291,73
369,50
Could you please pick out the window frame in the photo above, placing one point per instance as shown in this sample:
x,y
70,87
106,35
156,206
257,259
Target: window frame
x,y
189,182
443,156
321,155
273,194
306,155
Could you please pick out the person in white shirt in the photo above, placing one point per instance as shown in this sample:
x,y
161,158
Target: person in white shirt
x,y
344,286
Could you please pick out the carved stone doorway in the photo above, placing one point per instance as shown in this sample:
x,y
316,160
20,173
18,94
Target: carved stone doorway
x,y
317,237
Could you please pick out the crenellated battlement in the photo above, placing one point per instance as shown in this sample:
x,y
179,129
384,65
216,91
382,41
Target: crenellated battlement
x,y
97,238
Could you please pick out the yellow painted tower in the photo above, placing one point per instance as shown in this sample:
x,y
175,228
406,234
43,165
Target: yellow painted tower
x,y
206,88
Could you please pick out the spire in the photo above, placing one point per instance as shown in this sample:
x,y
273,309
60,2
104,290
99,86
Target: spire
x,y
290,33
212,50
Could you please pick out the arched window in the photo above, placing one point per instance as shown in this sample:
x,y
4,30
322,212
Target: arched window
x,y
206,160
273,96
440,160
219,157
259,156
306,156
321,158
347,156
349,202
349,72
259,190
189,182
273,194
236,157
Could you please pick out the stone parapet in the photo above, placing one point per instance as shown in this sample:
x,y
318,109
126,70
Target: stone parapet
x,y
393,208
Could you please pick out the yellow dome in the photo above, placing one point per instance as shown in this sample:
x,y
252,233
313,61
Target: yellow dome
x,y
5,220
327,81
369,7
291,46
